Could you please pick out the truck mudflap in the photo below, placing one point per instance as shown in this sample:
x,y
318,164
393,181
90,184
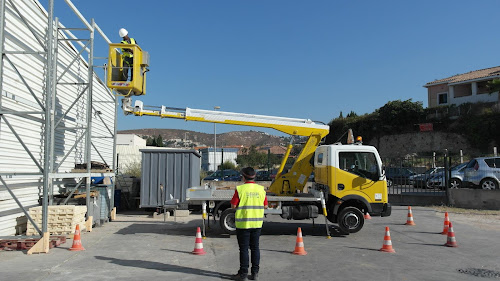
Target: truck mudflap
x,y
381,209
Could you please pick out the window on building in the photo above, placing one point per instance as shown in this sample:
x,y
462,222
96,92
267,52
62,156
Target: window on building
x,y
482,87
443,98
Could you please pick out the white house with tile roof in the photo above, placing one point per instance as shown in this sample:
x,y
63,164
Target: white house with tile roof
x,y
462,88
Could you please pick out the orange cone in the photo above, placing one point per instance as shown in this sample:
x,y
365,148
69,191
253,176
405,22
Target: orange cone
x,y
450,240
387,246
198,244
367,216
409,220
299,245
77,242
446,224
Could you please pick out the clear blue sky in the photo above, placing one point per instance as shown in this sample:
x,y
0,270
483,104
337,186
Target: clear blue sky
x,y
304,59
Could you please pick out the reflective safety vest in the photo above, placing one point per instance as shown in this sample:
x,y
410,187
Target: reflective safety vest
x,y
124,51
250,210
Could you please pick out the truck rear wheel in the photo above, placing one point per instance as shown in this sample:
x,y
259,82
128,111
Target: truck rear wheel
x,y
227,221
351,220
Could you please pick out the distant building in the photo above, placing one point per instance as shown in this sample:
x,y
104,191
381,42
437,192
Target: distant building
x,y
211,159
276,150
130,139
127,150
462,88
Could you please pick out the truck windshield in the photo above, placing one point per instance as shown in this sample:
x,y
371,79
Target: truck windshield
x,y
363,164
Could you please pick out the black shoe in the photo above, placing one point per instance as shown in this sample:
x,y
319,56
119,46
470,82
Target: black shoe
x,y
254,276
238,277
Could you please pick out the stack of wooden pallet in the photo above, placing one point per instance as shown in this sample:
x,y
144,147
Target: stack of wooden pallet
x,y
61,219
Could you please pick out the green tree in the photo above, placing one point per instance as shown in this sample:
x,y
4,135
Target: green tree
x,y
352,114
133,169
159,141
400,115
150,141
228,165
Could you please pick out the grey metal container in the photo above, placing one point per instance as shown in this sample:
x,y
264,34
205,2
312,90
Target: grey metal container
x,y
166,175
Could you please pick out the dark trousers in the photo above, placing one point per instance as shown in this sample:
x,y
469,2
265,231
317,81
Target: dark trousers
x,y
128,63
248,238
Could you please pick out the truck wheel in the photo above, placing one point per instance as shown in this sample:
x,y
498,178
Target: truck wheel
x,y
227,222
351,220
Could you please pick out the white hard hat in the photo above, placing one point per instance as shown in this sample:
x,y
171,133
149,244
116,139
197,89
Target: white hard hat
x,y
123,32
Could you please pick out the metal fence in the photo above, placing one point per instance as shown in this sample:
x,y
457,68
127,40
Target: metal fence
x,y
419,175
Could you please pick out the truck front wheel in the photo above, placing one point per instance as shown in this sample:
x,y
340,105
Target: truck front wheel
x,y
350,220
227,221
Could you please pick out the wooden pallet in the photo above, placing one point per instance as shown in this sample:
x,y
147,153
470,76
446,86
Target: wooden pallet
x,y
23,243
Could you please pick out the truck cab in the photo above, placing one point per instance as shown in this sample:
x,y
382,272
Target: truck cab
x,y
353,178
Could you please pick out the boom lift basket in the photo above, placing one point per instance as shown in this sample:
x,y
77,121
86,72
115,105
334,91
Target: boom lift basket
x,y
115,77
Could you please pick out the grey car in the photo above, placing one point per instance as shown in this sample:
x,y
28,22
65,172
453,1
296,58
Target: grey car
x,y
483,172
420,180
456,179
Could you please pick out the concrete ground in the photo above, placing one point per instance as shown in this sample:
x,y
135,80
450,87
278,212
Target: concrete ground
x,y
138,247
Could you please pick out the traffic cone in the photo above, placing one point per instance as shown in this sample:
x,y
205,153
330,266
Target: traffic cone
x,y
299,245
77,242
198,244
367,216
387,246
409,220
450,240
446,224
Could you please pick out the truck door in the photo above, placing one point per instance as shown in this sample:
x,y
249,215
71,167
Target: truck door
x,y
321,166
358,172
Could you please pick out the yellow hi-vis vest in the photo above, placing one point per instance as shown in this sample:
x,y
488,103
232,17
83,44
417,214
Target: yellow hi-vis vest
x,y
124,52
250,211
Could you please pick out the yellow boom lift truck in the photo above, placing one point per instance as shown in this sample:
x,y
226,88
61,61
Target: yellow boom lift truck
x,y
349,179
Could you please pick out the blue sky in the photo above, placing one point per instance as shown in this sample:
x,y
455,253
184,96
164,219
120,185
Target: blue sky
x,y
304,59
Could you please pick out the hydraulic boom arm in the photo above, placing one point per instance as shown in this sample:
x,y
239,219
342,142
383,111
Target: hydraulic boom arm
x,y
285,183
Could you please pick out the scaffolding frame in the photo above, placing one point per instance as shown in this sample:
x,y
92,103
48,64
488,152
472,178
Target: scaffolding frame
x,y
48,170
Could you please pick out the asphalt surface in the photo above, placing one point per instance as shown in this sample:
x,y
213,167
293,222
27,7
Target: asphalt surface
x,y
138,247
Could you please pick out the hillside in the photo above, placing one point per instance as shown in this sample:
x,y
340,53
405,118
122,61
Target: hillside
x,y
245,138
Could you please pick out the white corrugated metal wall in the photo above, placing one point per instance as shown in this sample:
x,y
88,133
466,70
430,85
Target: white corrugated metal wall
x,y
16,97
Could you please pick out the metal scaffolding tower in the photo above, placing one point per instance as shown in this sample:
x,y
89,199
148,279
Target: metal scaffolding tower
x,y
56,76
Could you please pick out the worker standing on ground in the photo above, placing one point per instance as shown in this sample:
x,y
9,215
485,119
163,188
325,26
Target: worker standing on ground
x,y
249,200
127,54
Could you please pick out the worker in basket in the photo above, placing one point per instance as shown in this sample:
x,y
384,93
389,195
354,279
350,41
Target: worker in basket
x,y
250,201
127,55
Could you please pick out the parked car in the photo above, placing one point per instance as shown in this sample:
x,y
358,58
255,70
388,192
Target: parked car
x,y
420,180
263,175
456,179
483,172
397,175
227,175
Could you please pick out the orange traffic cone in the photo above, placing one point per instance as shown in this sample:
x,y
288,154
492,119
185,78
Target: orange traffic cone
x,y
77,242
198,244
387,246
450,240
299,245
367,216
446,224
409,220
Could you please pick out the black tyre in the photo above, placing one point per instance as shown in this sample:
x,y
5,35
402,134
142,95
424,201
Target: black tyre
x,y
227,221
351,220
489,184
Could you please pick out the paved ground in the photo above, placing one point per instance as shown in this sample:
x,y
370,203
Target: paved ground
x,y
137,247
